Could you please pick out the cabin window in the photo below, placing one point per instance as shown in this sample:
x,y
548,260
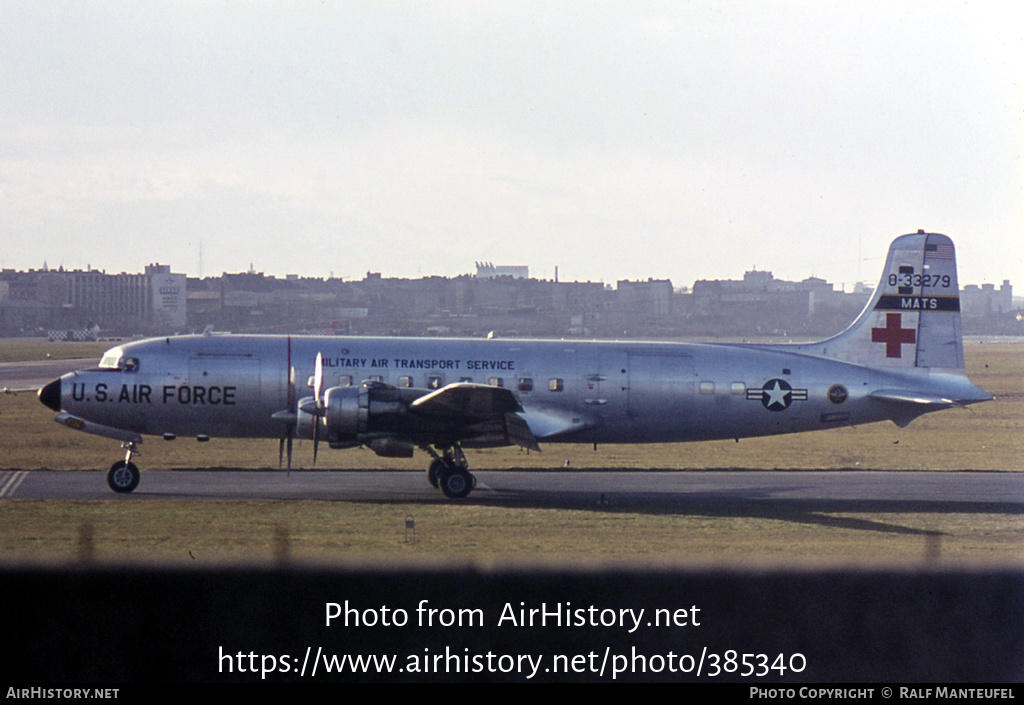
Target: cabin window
x,y
375,378
556,384
405,381
707,387
345,381
130,364
525,384
466,380
738,388
496,381
435,381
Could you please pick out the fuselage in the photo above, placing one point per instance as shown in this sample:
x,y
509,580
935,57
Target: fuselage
x,y
570,391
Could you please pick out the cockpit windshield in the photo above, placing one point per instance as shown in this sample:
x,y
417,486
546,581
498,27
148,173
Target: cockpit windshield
x,y
111,359
114,359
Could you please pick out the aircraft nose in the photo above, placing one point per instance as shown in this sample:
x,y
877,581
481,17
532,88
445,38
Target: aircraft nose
x,y
50,395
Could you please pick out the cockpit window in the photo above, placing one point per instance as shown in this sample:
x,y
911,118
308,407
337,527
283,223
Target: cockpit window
x,y
111,359
115,360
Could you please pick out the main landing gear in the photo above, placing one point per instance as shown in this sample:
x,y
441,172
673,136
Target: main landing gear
x,y
450,472
123,476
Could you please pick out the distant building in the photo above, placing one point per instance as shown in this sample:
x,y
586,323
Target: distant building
x,y
168,295
644,298
762,304
85,298
487,270
986,300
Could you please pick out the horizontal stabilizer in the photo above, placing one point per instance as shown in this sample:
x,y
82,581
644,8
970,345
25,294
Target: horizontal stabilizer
x,y
905,406
904,397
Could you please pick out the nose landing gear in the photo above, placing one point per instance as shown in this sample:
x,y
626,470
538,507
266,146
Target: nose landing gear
x,y
123,475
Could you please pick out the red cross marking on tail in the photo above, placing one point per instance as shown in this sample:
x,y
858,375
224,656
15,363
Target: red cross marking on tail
x,y
893,335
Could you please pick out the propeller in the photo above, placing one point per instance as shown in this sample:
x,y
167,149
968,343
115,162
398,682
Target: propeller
x,y
286,440
314,405
318,383
298,411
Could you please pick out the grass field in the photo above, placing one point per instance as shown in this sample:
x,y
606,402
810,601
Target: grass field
x,y
987,437
20,349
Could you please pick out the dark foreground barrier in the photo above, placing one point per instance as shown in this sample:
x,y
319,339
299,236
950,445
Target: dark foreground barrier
x,y
515,625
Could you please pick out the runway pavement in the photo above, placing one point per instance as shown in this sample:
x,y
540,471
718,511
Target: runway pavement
x,y
33,374
966,491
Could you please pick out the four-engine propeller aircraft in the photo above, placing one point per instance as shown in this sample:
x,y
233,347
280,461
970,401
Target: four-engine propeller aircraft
x,y
901,358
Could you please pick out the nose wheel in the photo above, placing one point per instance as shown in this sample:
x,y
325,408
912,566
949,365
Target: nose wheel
x,y
123,476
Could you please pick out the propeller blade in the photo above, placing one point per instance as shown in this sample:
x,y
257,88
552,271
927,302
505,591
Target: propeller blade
x,y
316,437
284,449
286,440
318,383
318,377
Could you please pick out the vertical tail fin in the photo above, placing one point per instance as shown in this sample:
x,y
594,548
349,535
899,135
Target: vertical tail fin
x,y
913,318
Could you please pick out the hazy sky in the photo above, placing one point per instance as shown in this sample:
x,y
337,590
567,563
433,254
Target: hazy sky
x,y
614,140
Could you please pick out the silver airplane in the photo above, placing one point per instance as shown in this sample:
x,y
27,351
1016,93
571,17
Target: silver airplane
x,y
901,358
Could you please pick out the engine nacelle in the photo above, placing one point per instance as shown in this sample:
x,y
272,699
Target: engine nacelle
x,y
352,416
346,413
375,415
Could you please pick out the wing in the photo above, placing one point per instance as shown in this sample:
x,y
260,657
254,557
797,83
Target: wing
x,y
479,415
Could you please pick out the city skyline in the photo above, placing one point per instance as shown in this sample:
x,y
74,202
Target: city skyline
x,y
65,302
867,282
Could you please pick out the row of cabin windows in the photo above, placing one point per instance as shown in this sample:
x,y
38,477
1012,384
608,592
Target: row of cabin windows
x,y
523,384
734,388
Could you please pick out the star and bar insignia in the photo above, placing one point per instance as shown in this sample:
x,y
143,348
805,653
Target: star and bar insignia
x,y
777,395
